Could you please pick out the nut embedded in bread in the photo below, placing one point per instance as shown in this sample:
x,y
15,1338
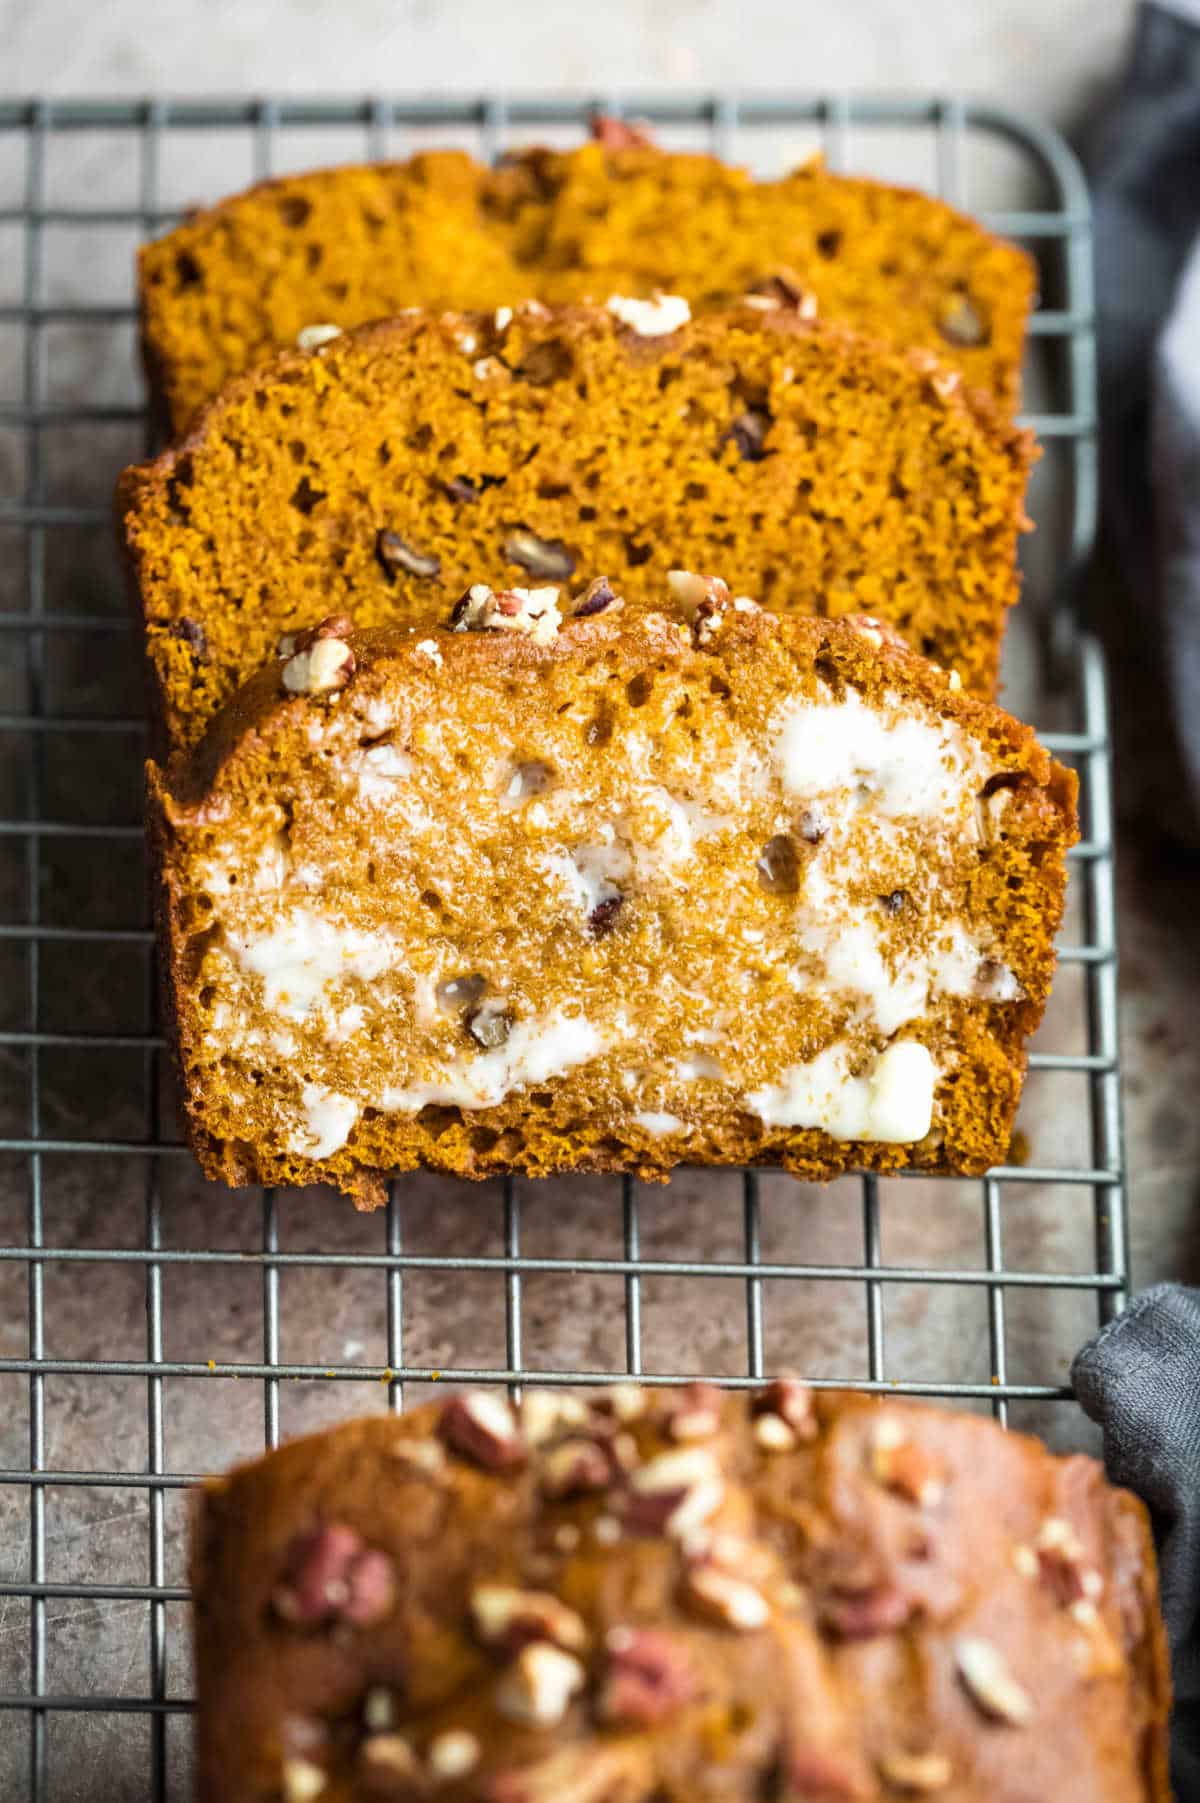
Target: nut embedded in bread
x,y
289,258
382,474
412,1608
568,886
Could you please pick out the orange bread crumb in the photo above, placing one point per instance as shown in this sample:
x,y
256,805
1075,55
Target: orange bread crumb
x,y
378,474
354,244
574,886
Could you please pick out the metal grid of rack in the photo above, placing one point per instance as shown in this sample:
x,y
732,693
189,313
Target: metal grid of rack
x,y
56,909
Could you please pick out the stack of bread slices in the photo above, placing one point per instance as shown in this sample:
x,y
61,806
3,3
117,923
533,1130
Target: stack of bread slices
x,y
572,604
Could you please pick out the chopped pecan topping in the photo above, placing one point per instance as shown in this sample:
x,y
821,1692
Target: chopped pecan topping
x,y
302,1780
691,590
390,1767
545,1412
792,1401
784,288
773,1434
864,1614
311,338
1063,1566
528,610
482,1427
648,1676
395,553
657,317
318,660
909,1470
692,1412
1098,1653
621,134
626,1401
990,1684
379,1710
545,557
538,1686
509,1619
917,1772
332,1575
726,1599
598,596
674,1493
575,1467
454,1753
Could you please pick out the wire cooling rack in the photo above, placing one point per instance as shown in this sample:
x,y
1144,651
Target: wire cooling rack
x,y
153,1328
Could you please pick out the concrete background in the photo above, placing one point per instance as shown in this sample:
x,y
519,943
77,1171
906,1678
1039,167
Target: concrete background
x,y
1050,56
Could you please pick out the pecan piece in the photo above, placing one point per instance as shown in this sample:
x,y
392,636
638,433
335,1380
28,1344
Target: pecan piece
x,y
483,1428
543,557
648,1675
596,597
910,1471
489,1025
1062,1564
603,917
692,1412
725,1599
538,1687
332,1575
395,553
989,1683
576,1467
528,610
453,1754
962,323
545,1412
674,1493
864,1614
792,1401
319,660
509,1619
748,433
916,1772
302,1780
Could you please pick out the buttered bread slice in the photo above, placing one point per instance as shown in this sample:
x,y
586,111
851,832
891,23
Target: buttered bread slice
x,y
563,885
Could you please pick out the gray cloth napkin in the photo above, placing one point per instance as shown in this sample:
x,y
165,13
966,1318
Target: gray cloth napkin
x,y
1142,153
1140,1379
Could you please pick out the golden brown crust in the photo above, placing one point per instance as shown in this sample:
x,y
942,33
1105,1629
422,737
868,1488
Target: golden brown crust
x,y
608,450
268,758
820,1597
357,243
